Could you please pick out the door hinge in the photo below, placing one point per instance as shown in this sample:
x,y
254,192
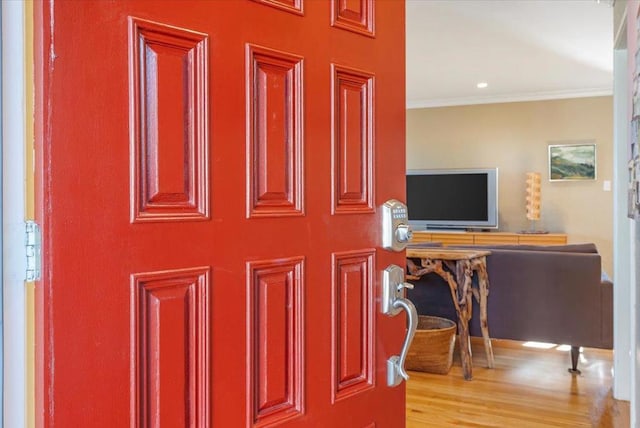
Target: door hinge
x,y
33,240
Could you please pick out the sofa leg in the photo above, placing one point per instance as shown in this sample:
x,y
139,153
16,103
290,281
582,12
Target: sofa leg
x,y
575,354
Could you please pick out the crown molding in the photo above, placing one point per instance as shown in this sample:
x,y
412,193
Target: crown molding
x,y
511,98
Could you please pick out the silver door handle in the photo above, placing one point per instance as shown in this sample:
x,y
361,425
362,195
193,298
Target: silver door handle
x,y
393,302
395,364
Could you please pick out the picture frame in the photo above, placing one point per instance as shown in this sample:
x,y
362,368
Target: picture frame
x,y
572,162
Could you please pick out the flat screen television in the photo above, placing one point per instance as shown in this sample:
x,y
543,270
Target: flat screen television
x,y
453,198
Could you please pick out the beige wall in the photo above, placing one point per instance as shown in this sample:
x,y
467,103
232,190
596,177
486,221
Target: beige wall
x,y
514,137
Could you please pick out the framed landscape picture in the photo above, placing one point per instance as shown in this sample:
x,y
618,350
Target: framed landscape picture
x,y
572,162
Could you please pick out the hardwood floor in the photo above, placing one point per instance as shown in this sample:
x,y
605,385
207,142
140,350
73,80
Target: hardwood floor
x,y
527,388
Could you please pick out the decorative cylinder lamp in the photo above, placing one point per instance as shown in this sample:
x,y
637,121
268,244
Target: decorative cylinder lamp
x,y
533,199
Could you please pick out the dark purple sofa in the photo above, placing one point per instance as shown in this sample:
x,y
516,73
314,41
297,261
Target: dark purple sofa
x,y
553,294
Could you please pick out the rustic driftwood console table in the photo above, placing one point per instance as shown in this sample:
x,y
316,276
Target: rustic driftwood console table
x,y
457,268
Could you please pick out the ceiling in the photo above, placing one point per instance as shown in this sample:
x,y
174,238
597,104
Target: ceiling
x,y
524,49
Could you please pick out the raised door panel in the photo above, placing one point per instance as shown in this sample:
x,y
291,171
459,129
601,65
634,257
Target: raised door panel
x,y
353,333
170,353
168,72
354,15
275,140
353,145
276,334
293,6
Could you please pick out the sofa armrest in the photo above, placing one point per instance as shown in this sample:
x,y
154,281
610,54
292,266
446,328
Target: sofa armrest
x,y
606,293
546,296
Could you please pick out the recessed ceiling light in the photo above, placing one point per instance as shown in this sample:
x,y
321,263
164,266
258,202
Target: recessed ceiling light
x,y
482,85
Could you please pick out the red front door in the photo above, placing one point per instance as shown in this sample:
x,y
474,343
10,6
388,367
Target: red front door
x,y
210,177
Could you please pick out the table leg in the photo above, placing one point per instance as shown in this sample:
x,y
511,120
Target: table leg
x,y
465,344
460,285
463,279
483,285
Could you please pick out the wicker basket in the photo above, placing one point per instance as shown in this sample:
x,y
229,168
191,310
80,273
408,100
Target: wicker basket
x,y
432,347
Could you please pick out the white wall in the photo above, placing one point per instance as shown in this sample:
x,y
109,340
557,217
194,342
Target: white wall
x,y
514,137
13,204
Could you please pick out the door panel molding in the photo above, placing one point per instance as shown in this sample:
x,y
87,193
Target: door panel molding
x,y
170,345
354,15
353,334
293,6
352,120
169,104
275,155
276,340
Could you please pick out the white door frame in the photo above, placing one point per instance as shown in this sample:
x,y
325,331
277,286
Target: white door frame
x,y
622,290
13,214
1,276
626,293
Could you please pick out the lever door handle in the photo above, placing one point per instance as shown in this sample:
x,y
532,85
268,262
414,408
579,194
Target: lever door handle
x,y
393,302
395,364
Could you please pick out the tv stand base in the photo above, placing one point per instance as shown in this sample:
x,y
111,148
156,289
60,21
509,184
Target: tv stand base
x,y
461,237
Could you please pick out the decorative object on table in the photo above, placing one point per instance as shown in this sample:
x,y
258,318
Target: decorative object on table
x,y
533,197
533,201
432,348
572,162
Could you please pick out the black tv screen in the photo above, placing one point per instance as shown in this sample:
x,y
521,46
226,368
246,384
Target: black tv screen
x,y
452,198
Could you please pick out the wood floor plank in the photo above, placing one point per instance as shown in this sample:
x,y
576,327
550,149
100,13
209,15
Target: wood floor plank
x,y
527,388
